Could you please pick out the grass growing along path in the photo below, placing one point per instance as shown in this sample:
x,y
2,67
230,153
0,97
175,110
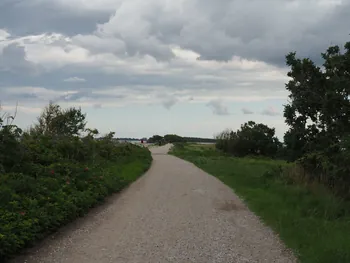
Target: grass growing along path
x,y
312,222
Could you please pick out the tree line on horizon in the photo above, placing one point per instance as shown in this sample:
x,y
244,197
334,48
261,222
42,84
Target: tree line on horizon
x,y
173,138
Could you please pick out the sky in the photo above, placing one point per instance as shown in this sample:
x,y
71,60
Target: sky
x,y
139,68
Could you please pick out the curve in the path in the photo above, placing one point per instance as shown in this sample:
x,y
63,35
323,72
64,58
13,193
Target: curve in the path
x,y
174,213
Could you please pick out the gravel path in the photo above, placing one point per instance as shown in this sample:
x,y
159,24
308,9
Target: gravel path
x,y
174,213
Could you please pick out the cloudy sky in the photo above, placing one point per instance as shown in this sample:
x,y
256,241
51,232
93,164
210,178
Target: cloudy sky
x,y
191,67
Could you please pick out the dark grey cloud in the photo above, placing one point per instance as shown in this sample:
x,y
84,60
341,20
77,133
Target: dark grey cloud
x,y
216,31
169,102
218,107
95,79
38,94
86,94
21,97
28,17
13,59
233,28
243,30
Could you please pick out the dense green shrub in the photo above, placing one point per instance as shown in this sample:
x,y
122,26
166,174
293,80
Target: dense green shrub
x,y
173,138
53,174
157,139
330,167
251,139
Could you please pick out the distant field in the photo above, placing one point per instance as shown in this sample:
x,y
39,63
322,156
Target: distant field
x,y
312,222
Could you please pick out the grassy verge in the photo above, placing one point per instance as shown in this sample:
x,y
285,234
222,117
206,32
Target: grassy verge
x,y
32,207
309,219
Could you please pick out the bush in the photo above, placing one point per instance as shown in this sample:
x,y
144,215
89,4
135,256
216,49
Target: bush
x,y
252,139
51,176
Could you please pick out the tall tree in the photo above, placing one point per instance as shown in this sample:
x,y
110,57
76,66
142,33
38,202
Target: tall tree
x,y
318,113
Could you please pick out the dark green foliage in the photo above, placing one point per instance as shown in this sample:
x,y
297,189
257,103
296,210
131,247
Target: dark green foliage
x,y
197,139
318,116
252,139
157,139
171,138
59,122
51,175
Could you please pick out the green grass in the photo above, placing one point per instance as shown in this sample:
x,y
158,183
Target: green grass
x,y
310,221
135,169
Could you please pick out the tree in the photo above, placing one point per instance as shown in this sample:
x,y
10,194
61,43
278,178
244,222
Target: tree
x,y
318,112
318,116
251,139
155,139
171,138
56,121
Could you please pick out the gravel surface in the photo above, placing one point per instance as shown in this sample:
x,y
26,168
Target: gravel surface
x,y
174,213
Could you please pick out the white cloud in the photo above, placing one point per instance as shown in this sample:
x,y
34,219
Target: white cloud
x,y
22,109
217,31
3,35
74,79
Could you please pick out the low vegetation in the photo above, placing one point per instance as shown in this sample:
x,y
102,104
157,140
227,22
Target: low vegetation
x,y
55,171
173,138
252,139
301,186
309,219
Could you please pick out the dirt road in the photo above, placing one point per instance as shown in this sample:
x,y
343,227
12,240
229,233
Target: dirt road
x,y
174,213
